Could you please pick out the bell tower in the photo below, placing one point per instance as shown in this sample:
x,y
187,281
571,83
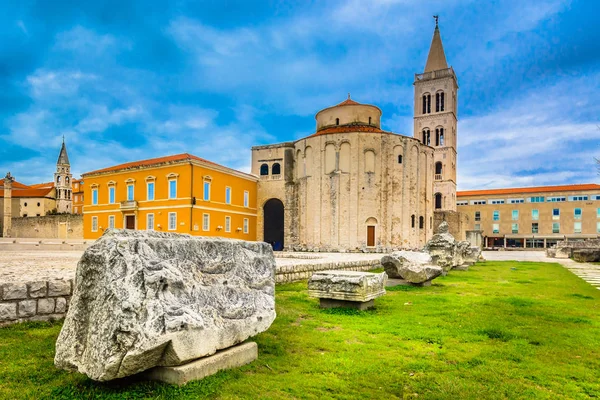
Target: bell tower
x,y
62,182
435,120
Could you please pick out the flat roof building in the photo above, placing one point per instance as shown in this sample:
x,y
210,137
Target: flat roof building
x,y
533,216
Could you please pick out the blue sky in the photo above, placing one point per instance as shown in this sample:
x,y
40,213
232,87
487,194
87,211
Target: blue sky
x,y
128,80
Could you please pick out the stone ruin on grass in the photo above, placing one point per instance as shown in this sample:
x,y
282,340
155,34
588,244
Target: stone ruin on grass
x,y
587,250
153,299
347,289
441,254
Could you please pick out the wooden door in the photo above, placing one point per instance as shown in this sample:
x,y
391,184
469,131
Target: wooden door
x,y
370,236
130,221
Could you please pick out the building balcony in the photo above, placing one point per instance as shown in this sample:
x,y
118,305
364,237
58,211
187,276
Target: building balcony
x,y
442,73
438,177
271,177
130,205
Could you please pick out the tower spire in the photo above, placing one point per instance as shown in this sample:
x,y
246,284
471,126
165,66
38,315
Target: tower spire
x,y
436,59
63,158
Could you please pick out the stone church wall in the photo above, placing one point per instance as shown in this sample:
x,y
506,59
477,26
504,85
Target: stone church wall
x,y
65,226
457,222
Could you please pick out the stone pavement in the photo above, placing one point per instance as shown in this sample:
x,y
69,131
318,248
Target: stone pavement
x,y
33,265
588,272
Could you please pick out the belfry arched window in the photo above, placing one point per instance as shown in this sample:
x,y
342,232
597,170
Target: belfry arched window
x,y
58,180
264,170
426,103
438,168
67,180
276,169
426,137
439,136
439,101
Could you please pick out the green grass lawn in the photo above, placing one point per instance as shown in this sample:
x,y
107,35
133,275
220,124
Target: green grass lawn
x,y
502,330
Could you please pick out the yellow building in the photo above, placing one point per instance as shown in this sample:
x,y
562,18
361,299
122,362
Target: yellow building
x,y
534,216
180,193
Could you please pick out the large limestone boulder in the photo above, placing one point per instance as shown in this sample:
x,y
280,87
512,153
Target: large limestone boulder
x,y
412,266
145,299
442,248
586,255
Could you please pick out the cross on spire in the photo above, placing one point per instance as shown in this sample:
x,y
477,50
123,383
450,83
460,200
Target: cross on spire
x,y
436,17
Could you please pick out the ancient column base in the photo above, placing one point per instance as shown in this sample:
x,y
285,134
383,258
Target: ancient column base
x,y
357,305
232,357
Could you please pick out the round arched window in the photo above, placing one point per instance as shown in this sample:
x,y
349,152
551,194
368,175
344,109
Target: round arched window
x,y
38,204
25,204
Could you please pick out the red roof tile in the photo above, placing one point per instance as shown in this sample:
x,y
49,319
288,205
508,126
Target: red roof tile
x,y
348,102
158,161
15,185
42,185
28,192
536,189
349,128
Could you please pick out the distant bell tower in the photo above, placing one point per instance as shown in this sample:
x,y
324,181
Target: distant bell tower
x,y
62,182
436,110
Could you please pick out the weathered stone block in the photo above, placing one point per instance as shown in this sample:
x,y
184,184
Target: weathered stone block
x,y
37,289
45,306
586,255
412,266
145,299
232,357
347,285
14,291
8,311
59,288
27,308
61,305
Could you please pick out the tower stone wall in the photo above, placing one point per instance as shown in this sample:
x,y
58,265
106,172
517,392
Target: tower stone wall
x,y
435,121
63,182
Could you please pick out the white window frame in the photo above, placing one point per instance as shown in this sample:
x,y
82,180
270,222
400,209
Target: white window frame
x,y
556,217
111,222
132,197
206,222
496,215
513,215
227,224
205,192
112,190
174,226
150,216
247,200
598,227
512,227
148,184
227,195
577,227
495,228
172,180
94,224
575,216
246,225
535,215
557,224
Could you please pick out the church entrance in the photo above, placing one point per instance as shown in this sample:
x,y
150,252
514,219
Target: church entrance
x,y
274,224
130,222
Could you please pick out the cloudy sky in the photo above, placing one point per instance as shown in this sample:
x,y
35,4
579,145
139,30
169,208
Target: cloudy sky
x,y
128,80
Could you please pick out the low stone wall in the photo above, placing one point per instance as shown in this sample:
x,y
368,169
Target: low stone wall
x,y
62,226
34,301
302,272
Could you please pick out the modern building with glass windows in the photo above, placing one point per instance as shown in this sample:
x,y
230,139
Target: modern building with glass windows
x,y
181,193
533,217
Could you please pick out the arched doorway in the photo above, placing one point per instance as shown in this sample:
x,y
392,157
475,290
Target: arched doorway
x,y
274,224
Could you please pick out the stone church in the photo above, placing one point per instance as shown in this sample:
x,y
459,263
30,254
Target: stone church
x,y
351,186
